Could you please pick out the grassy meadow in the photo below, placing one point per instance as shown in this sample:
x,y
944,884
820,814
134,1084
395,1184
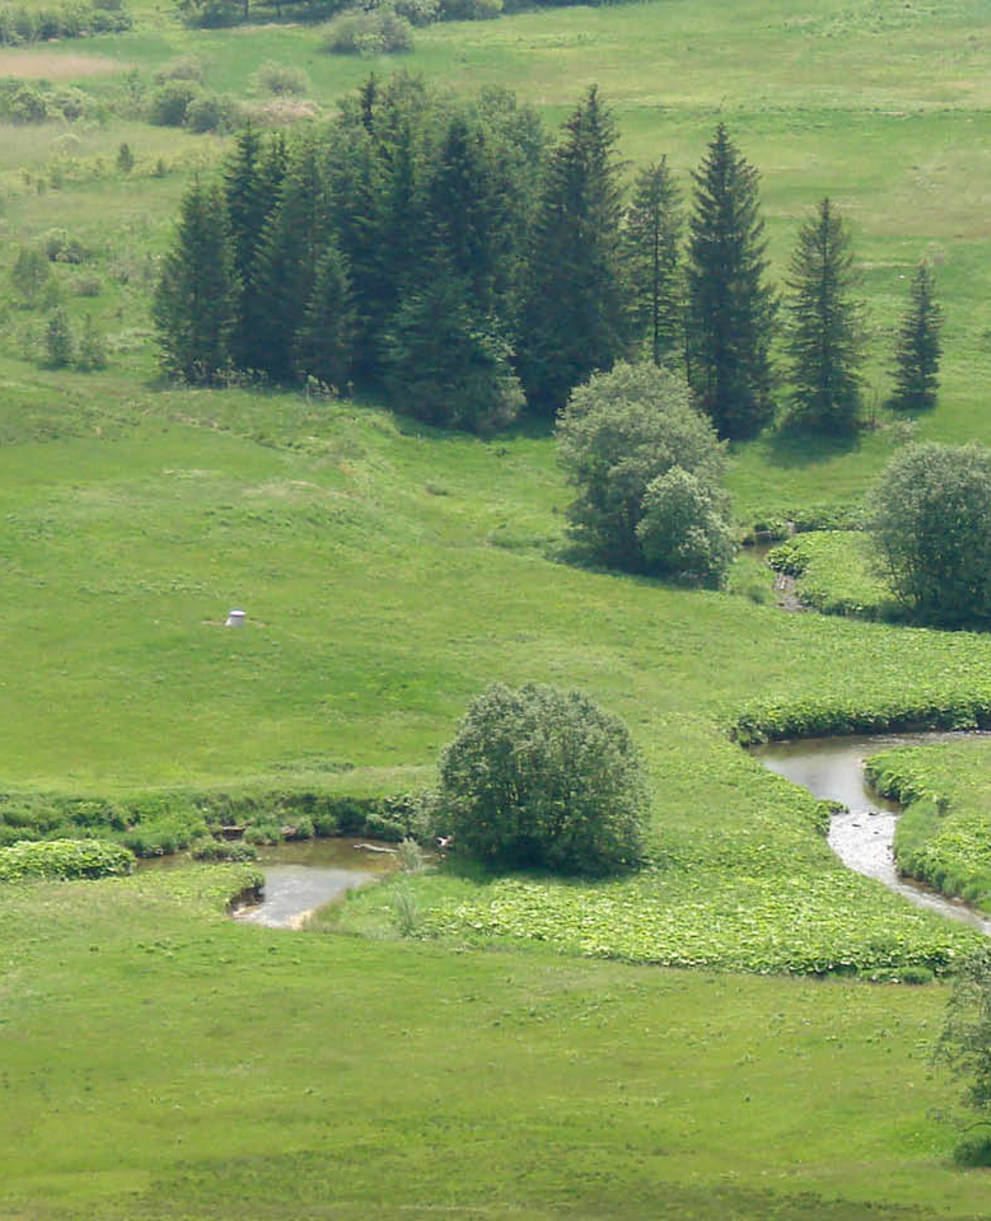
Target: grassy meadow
x,y
158,1060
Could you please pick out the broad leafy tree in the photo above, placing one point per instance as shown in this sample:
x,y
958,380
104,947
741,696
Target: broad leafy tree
x,y
965,1047
730,307
619,434
651,236
195,299
931,523
825,326
574,320
543,778
919,350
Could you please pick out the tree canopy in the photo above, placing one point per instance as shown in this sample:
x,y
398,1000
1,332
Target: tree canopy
x,y
931,523
620,434
543,778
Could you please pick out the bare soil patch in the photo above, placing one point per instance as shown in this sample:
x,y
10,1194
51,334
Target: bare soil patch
x,y
47,65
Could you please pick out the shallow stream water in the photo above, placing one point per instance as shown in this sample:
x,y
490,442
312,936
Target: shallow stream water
x,y
833,769
302,876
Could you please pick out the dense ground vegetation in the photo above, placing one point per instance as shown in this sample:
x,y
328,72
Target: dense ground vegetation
x,y
166,1062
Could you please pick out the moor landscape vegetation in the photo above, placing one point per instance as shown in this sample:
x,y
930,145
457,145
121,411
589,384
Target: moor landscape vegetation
x,y
573,400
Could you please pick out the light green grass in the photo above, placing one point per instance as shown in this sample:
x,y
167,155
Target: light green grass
x,y
161,1062
838,573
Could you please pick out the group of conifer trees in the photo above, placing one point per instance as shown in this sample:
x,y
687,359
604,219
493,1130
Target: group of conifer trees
x,y
449,254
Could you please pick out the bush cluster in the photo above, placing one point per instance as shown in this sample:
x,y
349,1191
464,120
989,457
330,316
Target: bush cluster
x,y
64,858
22,23
379,31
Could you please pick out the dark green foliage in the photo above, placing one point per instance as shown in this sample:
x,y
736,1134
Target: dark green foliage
x,y
542,778
931,522
965,1041
445,364
919,349
294,240
574,320
125,159
60,343
169,104
651,237
825,327
252,181
194,304
324,339
730,308
618,435
213,112
88,858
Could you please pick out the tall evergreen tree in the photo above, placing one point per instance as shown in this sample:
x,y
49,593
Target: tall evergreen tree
x,y
194,303
251,183
919,350
324,341
652,233
447,365
730,308
294,240
574,318
825,326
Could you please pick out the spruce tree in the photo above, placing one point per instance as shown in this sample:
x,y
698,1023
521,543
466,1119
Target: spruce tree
x,y
294,240
919,350
652,233
825,325
446,365
324,341
194,303
730,308
574,320
251,183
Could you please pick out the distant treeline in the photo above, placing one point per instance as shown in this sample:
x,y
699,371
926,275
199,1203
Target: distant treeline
x,y
430,247
220,13
23,23
446,253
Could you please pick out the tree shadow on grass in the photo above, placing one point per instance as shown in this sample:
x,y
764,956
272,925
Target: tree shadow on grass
x,y
791,447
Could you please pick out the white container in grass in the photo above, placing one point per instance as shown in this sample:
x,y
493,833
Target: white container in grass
x,y
235,618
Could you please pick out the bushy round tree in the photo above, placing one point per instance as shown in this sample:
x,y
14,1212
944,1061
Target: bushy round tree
x,y
542,778
931,522
619,434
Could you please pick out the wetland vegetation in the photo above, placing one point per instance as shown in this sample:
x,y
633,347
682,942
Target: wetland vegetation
x,y
452,1039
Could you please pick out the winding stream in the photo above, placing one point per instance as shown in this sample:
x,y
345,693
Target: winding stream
x,y
863,837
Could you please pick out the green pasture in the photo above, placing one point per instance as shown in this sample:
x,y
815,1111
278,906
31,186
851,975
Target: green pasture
x,y
159,1061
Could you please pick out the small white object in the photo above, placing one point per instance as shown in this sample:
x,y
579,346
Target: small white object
x,y
235,618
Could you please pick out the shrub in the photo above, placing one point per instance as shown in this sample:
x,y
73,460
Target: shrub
x,y
185,68
92,350
61,247
213,112
470,10
379,32
168,105
125,158
60,343
541,777
28,104
63,858
31,277
930,518
281,80
620,433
